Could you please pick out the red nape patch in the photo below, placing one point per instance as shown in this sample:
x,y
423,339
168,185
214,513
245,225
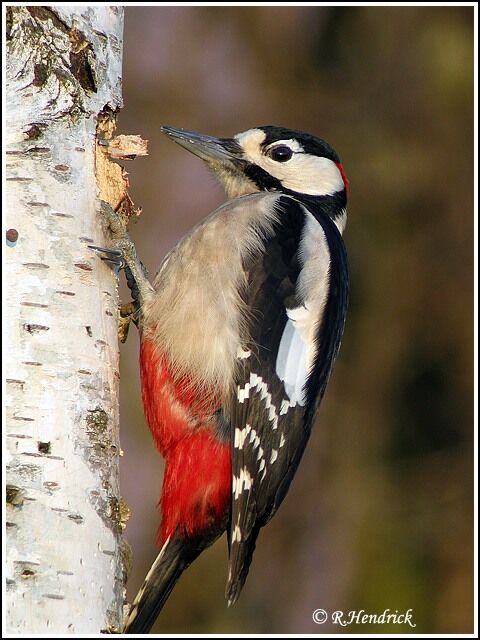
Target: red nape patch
x,y
173,407
196,486
346,181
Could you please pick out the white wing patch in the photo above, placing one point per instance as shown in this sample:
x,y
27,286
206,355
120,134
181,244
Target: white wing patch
x,y
240,435
244,481
256,382
241,483
291,365
297,350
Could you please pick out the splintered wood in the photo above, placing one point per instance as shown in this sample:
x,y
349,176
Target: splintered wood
x,y
111,177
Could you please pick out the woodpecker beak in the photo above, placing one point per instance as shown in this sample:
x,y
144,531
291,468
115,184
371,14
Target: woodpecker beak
x,y
214,151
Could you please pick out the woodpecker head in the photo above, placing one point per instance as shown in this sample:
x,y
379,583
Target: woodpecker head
x,y
272,159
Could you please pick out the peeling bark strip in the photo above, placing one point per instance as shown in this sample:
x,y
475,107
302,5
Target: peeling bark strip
x,y
64,511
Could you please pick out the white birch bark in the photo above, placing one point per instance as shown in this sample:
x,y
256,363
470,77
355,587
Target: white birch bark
x,y
64,571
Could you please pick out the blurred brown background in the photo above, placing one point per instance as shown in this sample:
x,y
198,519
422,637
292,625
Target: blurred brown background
x,y
380,513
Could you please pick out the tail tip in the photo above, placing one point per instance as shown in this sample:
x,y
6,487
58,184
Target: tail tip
x,y
231,593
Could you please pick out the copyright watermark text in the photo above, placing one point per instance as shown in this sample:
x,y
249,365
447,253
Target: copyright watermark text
x,y
345,618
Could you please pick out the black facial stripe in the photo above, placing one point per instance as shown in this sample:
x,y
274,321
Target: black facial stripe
x,y
331,205
263,180
311,144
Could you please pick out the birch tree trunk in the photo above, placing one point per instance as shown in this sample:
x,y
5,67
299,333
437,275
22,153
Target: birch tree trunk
x,y
64,570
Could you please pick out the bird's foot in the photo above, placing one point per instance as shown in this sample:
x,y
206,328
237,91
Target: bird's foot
x,y
121,254
121,249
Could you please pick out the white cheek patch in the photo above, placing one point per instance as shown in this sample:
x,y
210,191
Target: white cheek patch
x,y
304,173
308,174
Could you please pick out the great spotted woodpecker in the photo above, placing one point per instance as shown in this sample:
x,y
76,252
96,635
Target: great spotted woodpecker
x,y
239,332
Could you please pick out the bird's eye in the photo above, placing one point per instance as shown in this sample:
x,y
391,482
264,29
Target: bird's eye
x,y
282,153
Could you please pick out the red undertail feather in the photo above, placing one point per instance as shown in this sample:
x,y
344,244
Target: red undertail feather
x,y
197,482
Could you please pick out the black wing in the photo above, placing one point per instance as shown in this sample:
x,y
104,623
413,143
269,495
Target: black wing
x,y
270,427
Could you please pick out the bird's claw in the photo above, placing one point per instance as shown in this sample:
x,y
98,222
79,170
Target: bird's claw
x,y
113,257
121,255
115,254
